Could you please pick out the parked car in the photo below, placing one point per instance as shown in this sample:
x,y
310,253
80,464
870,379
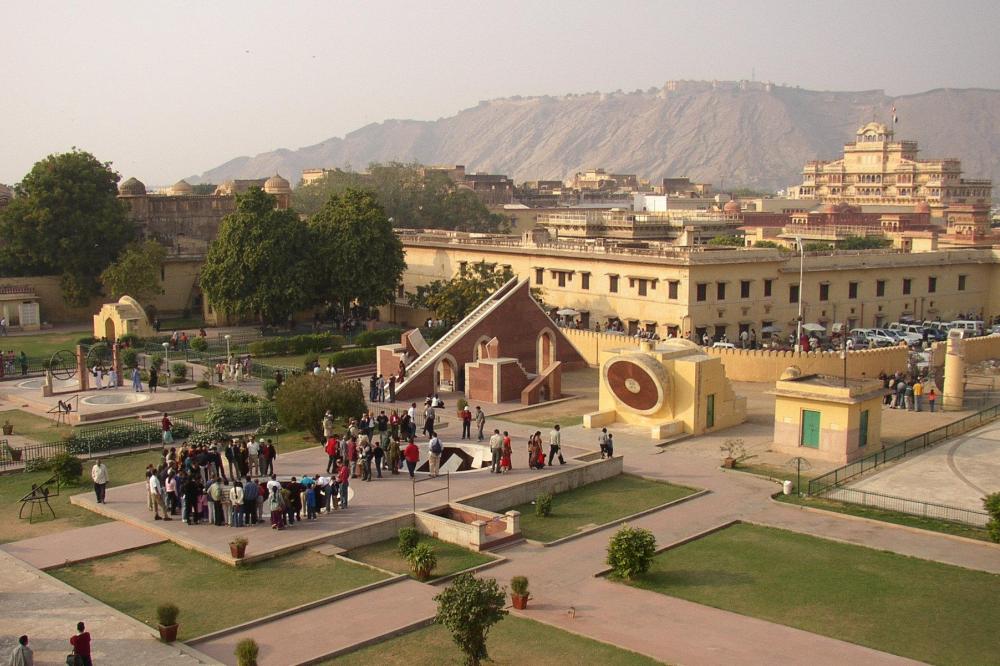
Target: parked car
x,y
912,333
881,337
971,327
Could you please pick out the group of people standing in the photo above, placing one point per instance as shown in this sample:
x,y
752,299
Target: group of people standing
x,y
908,392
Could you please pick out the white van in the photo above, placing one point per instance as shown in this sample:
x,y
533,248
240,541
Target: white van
x,y
972,328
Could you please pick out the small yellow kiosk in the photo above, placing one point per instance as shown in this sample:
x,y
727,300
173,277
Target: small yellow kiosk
x,y
817,416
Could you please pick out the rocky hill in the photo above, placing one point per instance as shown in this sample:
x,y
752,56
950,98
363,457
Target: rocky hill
x,y
752,135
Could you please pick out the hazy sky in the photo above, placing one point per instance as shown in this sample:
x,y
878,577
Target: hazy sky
x,y
168,89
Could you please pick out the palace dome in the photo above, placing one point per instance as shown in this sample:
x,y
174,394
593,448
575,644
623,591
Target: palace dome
x,y
732,206
181,187
132,187
277,185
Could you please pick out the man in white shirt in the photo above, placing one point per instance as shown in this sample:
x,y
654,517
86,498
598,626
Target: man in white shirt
x,y
496,450
253,457
555,446
156,494
434,454
99,473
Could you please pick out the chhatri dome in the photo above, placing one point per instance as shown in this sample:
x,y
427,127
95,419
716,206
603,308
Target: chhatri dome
x,y
732,207
181,187
277,185
132,187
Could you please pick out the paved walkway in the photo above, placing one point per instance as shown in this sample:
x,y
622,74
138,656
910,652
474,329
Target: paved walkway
x,y
84,543
318,632
47,611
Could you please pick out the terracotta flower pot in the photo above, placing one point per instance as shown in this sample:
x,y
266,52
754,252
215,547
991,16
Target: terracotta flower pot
x,y
8,429
729,463
168,634
520,602
15,455
238,550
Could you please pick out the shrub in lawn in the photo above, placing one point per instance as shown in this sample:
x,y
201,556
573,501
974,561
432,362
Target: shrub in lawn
x,y
119,437
304,399
156,362
67,468
992,505
350,358
422,561
204,384
269,428
630,551
246,652
408,538
237,395
208,437
270,386
179,371
519,585
469,608
543,505
221,416
166,614
383,336
129,358
199,344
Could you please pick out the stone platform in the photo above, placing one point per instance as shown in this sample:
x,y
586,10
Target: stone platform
x,y
96,405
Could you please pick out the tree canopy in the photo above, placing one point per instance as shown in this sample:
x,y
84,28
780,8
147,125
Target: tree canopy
x,y
259,263
865,242
302,400
411,197
136,272
66,220
358,257
469,608
728,241
452,299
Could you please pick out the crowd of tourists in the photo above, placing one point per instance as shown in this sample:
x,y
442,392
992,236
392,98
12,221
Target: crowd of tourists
x,y
908,392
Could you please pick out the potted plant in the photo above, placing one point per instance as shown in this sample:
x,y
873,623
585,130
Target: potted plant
x,y
8,427
238,547
519,592
12,453
422,561
736,452
166,615
246,652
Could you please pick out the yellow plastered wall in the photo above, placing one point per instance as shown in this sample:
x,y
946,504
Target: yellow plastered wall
x,y
839,426
974,350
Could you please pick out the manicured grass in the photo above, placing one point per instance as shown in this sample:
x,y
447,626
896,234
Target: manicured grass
x,y
122,470
514,641
210,594
780,473
451,558
914,608
294,360
596,504
293,440
45,344
886,516
35,427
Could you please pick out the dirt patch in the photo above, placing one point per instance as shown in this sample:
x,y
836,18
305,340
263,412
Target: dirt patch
x,y
137,564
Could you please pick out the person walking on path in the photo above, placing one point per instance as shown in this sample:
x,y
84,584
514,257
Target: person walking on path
x,y
505,457
931,398
167,427
555,446
156,496
496,450
480,421
918,393
136,380
343,478
99,473
412,455
434,456
154,379
81,644
395,456
466,422
22,654
429,417
610,446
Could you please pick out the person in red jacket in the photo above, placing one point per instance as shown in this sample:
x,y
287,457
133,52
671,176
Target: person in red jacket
x,y
343,477
412,456
81,644
332,448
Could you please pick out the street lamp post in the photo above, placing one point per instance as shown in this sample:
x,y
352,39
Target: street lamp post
x,y
843,355
802,261
166,350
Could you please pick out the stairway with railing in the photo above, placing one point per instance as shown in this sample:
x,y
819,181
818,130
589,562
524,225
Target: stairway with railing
x,y
441,344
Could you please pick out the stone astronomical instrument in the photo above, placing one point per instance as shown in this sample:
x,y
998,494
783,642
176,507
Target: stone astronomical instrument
x,y
99,354
638,383
62,365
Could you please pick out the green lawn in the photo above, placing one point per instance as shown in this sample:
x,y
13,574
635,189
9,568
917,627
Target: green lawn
x,y
451,558
895,517
122,470
45,344
35,427
293,440
513,641
543,423
914,608
596,504
780,473
210,594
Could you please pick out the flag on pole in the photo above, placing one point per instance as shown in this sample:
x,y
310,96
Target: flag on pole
x,y
895,118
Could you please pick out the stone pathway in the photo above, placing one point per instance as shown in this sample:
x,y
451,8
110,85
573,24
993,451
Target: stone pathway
x,y
84,543
319,632
47,611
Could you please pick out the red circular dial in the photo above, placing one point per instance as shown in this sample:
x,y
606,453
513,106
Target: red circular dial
x,y
633,385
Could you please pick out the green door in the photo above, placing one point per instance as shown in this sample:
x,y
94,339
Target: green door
x,y
710,413
810,429
863,429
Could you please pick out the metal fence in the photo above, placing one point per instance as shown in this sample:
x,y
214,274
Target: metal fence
x,y
909,506
835,478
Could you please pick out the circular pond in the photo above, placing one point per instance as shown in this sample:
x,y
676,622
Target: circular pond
x,y
115,398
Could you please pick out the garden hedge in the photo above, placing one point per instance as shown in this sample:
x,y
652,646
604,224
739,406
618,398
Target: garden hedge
x,y
297,344
352,357
120,437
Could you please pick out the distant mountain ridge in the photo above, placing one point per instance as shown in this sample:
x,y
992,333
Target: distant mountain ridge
x,y
728,134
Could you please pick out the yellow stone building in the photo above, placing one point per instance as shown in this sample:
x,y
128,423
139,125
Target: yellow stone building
x,y
877,170
676,290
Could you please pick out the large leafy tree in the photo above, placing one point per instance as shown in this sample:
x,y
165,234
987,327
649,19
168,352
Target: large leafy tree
x,y
259,263
359,260
303,400
410,196
453,299
66,220
136,272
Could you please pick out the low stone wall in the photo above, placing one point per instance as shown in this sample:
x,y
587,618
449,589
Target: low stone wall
x,y
373,532
572,477
974,350
762,365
